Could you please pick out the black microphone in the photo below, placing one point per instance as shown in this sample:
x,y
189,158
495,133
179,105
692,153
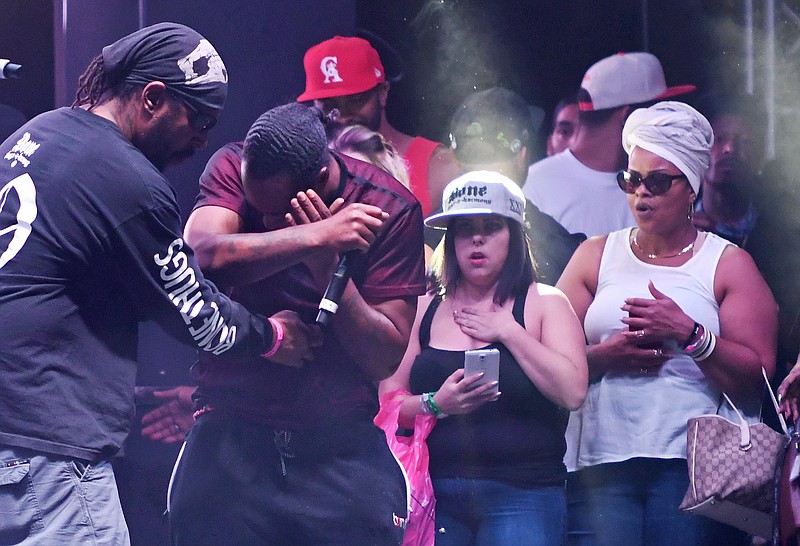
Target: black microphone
x,y
330,301
9,70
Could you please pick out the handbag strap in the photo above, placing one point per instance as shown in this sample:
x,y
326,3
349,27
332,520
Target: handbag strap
x,y
775,404
744,427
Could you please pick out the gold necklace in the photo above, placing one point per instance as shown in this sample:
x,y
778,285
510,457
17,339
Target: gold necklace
x,y
683,251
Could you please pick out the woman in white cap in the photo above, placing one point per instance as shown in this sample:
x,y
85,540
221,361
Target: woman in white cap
x,y
673,317
497,462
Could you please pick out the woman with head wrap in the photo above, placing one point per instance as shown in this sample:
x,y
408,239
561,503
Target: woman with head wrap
x,y
673,317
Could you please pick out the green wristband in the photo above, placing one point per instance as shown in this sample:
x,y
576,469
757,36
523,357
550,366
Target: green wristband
x,y
437,411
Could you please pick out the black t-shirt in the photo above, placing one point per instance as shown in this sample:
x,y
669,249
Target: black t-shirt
x,y
519,439
90,244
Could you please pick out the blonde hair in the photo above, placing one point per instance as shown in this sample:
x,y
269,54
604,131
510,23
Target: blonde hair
x,y
365,144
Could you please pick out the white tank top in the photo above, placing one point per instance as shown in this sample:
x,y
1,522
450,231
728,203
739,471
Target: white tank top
x,y
630,414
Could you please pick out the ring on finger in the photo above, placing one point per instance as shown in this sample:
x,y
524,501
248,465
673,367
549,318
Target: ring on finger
x,y
657,353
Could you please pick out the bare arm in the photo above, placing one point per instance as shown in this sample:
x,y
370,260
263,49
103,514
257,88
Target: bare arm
x,y
233,258
375,334
579,280
400,379
579,284
748,317
555,363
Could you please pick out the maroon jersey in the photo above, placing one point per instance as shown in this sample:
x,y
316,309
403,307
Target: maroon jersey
x,y
332,386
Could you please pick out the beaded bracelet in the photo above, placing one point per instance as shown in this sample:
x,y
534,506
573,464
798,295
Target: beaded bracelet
x,y
278,338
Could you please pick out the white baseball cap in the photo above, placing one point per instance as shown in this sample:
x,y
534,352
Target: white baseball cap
x,y
626,78
480,192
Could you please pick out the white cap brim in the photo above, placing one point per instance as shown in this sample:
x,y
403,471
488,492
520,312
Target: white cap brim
x,y
440,221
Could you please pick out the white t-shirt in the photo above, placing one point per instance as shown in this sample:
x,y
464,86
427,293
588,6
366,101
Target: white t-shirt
x,y
581,199
630,414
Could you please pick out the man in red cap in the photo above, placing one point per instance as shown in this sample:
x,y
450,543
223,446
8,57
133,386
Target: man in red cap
x,y
346,74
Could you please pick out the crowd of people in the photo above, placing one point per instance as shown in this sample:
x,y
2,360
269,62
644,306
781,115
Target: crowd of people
x,y
626,282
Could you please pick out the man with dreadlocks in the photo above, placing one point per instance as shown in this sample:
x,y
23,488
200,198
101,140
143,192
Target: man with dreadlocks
x,y
310,467
90,244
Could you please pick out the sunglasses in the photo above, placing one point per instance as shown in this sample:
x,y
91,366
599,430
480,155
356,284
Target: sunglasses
x,y
656,183
200,121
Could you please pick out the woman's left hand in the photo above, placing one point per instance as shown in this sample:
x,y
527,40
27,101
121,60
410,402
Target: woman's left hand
x,y
485,325
657,319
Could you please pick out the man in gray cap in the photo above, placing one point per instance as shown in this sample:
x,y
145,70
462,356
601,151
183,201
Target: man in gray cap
x,y
90,245
578,187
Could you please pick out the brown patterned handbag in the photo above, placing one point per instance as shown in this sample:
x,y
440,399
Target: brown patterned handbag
x,y
732,470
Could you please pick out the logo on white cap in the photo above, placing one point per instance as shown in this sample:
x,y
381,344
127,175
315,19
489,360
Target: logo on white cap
x,y
329,69
216,68
480,192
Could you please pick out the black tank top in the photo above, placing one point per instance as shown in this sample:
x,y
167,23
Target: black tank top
x,y
519,439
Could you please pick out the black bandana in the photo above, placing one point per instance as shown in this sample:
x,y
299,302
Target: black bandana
x,y
173,54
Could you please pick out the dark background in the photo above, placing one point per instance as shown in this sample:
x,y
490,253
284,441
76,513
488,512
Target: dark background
x,y
449,48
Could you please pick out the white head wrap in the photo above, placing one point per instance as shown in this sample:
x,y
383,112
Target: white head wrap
x,y
675,131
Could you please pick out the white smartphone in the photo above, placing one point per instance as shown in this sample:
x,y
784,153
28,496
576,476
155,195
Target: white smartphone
x,y
483,360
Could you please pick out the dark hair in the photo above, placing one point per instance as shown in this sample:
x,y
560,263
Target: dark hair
x,y
94,84
288,139
596,118
517,274
717,104
491,125
571,98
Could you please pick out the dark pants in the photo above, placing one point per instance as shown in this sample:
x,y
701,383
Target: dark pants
x,y
244,484
635,502
490,513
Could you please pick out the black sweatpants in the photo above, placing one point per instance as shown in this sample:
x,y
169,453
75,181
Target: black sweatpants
x,y
245,484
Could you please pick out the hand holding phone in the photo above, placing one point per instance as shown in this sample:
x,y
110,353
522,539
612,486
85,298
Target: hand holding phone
x,y
486,361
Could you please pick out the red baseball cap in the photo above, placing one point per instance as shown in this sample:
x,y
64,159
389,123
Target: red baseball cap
x,y
341,66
